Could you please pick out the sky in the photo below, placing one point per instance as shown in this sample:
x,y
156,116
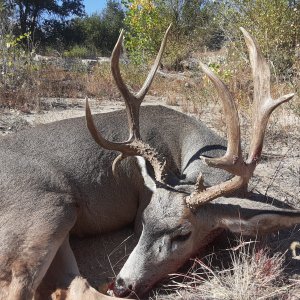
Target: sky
x,y
92,6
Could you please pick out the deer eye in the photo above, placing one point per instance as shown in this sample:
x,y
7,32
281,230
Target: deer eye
x,y
181,237
177,240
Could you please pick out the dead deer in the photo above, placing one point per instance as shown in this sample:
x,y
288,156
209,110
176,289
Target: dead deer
x,y
179,220
55,181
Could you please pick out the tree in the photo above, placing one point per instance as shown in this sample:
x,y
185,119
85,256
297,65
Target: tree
x,y
275,24
144,25
33,13
112,19
97,33
186,15
146,20
5,16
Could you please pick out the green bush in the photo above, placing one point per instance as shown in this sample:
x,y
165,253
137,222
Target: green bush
x,y
78,52
147,20
274,23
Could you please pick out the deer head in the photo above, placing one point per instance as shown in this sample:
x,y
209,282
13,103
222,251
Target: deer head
x,y
179,221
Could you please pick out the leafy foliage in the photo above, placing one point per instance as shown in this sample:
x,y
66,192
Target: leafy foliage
x,y
146,20
31,15
77,52
15,64
96,33
144,25
10,50
275,24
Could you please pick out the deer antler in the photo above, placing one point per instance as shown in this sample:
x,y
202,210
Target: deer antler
x,y
263,106
134,145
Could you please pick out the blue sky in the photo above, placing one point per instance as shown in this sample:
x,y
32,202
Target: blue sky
x,y
92,6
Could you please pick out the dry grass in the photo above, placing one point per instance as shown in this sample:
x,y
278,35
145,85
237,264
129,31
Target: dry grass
x,y
51,81
190,90
253,273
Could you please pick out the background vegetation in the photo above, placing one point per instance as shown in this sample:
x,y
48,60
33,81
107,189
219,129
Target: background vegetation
x,y
202,29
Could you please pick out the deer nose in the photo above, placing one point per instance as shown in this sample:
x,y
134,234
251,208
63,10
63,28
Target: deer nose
x,y
121,289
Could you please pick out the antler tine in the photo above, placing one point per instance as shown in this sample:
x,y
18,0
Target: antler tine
x,y
129,148
143,91
134,145
197,198
263,104
133,101
232,161
99,139
115,68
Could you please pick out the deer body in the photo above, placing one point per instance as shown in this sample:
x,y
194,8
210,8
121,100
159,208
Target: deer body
x,y
55,180
62,157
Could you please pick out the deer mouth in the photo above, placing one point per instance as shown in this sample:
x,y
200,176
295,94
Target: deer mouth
x,y
126,294
130,291
120,290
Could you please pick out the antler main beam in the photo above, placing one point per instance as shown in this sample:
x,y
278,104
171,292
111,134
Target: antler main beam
x,y
232,161
263,106
133,101
134,145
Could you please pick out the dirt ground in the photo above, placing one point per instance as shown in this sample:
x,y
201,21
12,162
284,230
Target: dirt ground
x,y
277,176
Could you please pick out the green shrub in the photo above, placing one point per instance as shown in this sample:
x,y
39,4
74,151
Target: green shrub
x,y
16,64
78,52
274,23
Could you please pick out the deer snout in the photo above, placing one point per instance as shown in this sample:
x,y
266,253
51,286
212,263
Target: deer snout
x,y
122,288
126,289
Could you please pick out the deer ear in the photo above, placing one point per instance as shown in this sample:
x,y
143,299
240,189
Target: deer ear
x,y
148,181
255,221
261,223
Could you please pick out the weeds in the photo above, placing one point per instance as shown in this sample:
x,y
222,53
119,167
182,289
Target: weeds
x,y
253,273
29,81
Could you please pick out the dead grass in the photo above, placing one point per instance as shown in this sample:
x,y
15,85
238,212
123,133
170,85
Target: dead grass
x,y
252,273
190,90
